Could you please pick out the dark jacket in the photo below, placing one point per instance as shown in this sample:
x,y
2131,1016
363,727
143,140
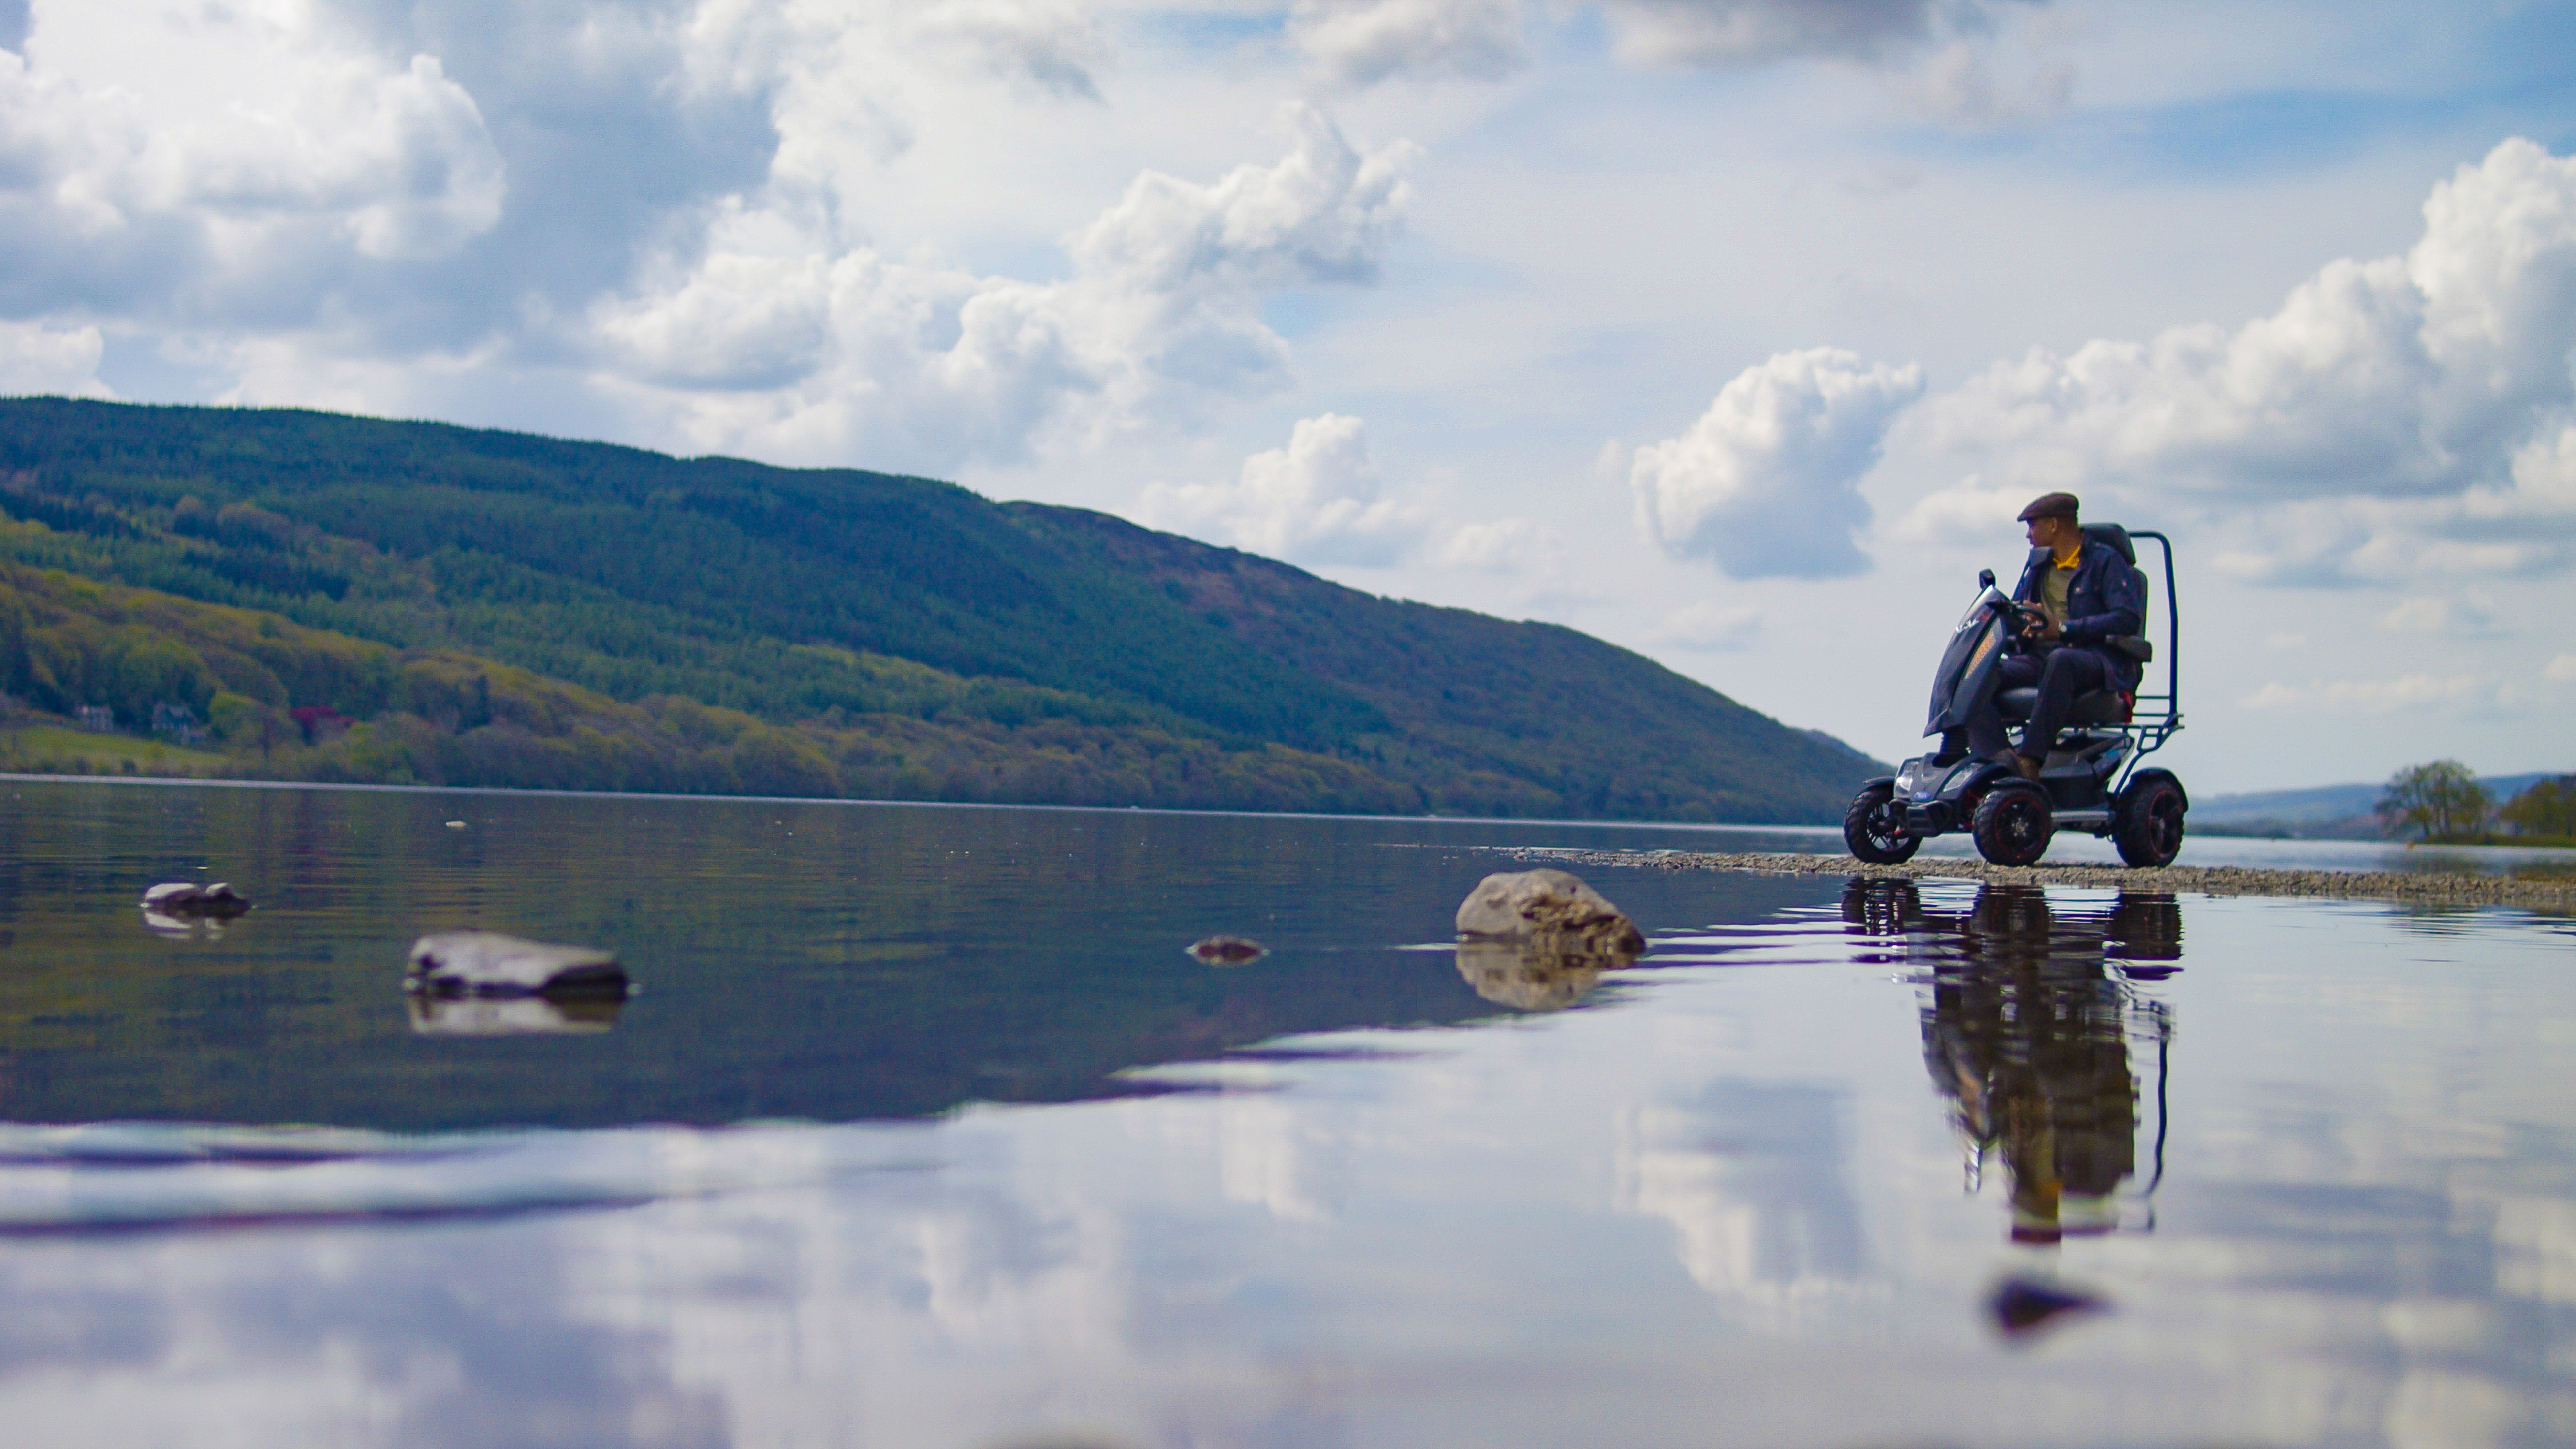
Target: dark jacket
x,y
2106,599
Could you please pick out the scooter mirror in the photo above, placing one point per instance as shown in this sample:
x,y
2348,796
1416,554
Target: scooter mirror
x,y
1985,578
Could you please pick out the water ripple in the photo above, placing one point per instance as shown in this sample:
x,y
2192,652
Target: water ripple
x,y
128,1176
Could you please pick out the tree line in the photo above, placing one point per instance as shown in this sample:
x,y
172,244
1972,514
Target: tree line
x,y
2444,802
279,700
804,596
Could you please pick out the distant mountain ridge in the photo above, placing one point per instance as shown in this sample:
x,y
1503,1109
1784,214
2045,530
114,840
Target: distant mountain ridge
x,y
910,637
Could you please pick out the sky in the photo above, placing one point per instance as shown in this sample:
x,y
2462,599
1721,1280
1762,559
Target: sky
x,y
1734,332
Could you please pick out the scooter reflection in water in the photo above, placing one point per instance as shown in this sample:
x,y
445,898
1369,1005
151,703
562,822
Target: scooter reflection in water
x,y
2030,1012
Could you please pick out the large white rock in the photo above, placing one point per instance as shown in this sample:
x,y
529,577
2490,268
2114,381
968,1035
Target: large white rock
x,y
487,963
1554,911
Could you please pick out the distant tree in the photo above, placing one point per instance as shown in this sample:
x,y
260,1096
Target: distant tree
x,y
2440,801
2547,808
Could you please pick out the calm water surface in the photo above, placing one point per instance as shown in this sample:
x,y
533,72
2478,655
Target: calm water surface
x,y
925,1131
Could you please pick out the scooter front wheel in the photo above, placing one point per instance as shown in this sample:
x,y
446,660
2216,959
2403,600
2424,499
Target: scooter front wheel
x,y
2148,825
2013,824
1874,830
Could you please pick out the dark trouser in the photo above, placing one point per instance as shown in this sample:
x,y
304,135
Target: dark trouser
x,y
2062,675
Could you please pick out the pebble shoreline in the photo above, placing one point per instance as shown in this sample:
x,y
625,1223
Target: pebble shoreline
x,y
2434,888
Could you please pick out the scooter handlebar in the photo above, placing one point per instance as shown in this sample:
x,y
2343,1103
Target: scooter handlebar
x,y
2023,615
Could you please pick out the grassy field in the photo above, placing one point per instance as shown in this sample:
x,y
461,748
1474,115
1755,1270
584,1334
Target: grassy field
x,y
54,750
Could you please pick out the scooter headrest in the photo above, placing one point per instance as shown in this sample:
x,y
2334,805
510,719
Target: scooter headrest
x,y
2116,536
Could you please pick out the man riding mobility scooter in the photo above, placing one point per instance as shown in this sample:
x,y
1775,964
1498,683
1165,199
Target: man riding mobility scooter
x,y
2088,778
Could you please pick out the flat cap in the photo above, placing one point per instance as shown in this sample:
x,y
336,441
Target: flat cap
x,y
2048,505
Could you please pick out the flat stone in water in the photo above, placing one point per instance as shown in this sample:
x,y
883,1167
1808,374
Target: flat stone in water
x,y
1228,950
183,898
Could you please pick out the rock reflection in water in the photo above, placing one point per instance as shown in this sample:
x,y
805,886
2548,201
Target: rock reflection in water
x,y
2039,1028
1530,977
511,1015
180,929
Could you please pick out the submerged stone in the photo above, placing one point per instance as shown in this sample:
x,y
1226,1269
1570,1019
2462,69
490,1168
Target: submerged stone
x,y
487,963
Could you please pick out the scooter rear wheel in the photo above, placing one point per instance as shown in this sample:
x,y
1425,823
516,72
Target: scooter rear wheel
x,y
2013,824
1874,837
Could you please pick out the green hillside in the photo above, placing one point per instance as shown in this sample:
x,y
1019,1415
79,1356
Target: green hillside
x,y
611,612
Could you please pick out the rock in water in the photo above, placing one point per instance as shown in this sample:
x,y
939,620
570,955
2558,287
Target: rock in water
x,y
1536,940
487,963
183,899
1228,950
1554,911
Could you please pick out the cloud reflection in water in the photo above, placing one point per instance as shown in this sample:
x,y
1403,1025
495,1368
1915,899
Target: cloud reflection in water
x,y
1728,1199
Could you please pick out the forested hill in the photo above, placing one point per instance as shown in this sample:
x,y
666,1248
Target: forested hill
x,y
884,635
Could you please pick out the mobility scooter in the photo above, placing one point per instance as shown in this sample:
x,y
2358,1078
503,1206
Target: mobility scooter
x,y
2090,781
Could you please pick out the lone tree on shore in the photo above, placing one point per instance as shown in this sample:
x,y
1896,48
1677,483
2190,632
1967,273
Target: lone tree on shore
x,y
2442,800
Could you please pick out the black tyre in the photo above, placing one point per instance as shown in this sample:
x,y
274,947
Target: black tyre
x,y
2148,828
1872,828
2012,824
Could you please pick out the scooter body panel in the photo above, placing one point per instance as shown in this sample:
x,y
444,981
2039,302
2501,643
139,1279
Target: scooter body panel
x,y
1939,798
1968,665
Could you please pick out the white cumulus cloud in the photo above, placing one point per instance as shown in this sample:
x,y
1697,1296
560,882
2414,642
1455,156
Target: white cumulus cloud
x,y
846,83
1972,512
1966,84
1315,501
1941,55
2401,416
2441,616
1743,32
258,137
1049,44
2370,696
1494,546
1711,628
2399,376
1767,483
1360,42
771,339
2521,526
656,219
35,359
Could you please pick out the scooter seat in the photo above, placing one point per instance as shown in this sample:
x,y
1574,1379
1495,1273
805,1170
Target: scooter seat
x,y
2095,707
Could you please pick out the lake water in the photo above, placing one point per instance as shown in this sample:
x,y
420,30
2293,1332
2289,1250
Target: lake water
x,y
925,1131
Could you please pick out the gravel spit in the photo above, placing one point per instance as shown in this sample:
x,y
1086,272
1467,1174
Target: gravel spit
x,y
2430,888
